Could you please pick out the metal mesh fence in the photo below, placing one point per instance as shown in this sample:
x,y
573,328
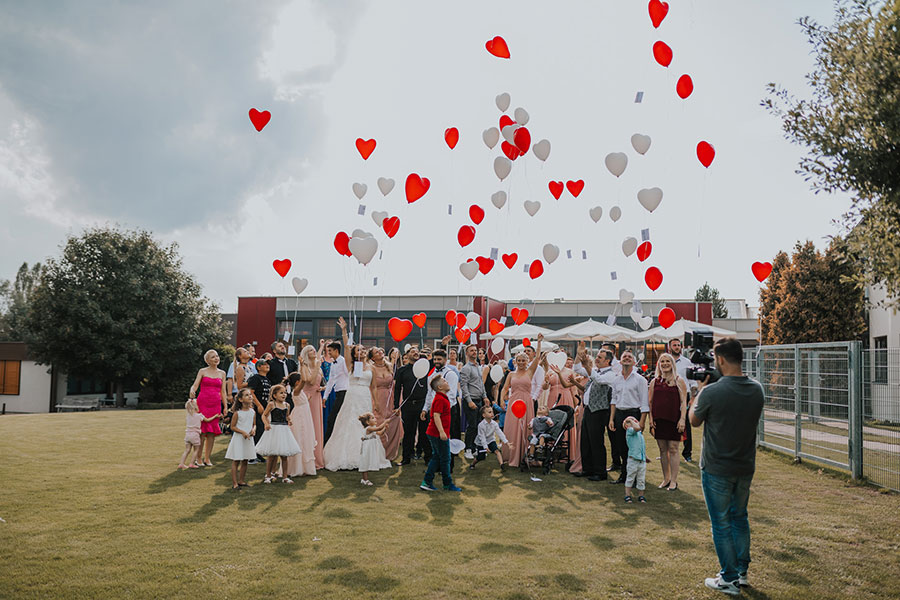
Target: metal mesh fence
x,y
881,416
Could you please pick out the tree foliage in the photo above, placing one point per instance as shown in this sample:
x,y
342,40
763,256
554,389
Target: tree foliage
x,y
710,294
116,305
808,298
14,301
851,128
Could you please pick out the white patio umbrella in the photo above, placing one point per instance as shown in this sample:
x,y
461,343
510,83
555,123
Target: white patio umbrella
x,y
545,345
518,332
594,331
677,330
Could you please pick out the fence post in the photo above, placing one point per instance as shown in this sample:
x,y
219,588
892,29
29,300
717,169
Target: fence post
x,y
798,414
855,410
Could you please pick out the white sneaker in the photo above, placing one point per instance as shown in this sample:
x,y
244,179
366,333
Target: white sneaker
x,y
717,583
469,455
742,580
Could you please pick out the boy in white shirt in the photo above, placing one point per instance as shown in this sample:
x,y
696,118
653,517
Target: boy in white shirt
x,y
485,441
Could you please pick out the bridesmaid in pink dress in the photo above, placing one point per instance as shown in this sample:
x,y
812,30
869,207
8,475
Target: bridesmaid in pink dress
x,y
518,387
211,402
560,394
303,429
311,373
383,380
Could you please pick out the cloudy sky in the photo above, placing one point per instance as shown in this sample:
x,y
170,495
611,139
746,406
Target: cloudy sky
x,y
136,114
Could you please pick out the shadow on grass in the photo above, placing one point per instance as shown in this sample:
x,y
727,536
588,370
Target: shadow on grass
x,y
177,478
496,548
249,498
343,572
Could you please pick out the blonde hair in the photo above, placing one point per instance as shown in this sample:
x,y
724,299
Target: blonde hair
x,y
191,406
672,378
208,352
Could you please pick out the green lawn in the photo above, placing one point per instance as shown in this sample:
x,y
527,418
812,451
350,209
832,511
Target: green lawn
x,y
94,508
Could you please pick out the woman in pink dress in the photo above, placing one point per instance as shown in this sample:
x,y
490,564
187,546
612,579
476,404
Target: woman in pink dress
x,y
303,429
211,401
562,395
518,387
383,381
311,373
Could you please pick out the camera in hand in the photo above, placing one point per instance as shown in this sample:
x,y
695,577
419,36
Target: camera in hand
x,y
701,357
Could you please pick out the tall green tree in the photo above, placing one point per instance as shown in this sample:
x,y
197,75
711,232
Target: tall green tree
x,y
14,301
710,294
851,128
116,305
808,298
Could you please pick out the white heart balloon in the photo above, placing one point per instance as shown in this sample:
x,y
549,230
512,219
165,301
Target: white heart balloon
x,y
469,270
521,116
502,167
646,322
541,149
596,213
491,137
551,253
363,248
385,184
625,297
615,213
557,359
532,206
509,133
498,199
497,345
635,315
629,245
379,216
640,143
497,370
473,320
299,284
650,198
359,190
502,101
641,356
421,367
359,233
616,163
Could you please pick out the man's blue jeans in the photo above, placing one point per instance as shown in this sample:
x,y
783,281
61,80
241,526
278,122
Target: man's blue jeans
x,y
440,456
726,501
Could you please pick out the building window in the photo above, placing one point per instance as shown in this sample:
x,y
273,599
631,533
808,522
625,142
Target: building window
x,y
301,335
880,362
373,328
433,329
10,371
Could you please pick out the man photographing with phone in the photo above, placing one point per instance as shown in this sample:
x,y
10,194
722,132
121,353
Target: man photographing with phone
x,y
730,410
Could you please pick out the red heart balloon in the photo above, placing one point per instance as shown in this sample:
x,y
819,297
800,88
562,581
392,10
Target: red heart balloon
x,y
419,319
522,138
685,86
476,213
341,244
536,269
460,320
416,187
450,317
644,368
510,260
526,342
495,326
653,278
662,53
575,187
282,266
666,317
391,226
519,315
465,235
462,335
365,147
644,250
518,409
705,153
485,264
399,328
506,120
511,152
556,188
498,47
761,270
259,119
451,136
658,11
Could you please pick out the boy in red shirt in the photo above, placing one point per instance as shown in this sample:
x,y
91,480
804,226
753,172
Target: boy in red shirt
x,y
438,430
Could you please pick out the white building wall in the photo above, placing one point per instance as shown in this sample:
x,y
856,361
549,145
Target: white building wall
x,y
34,390
883,321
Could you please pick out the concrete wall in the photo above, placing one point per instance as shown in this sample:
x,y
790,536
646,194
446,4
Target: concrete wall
x,y
34,390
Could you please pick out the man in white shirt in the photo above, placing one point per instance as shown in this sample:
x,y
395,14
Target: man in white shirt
x,y
339,381
630,399
597,396
682,364
616,367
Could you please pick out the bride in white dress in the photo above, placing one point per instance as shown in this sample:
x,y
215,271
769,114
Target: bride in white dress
x,y
345,444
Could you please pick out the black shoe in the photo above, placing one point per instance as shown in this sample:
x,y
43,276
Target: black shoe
x,y
472,467
404,462
596,478
619,480
502,467
613,468
688,459
582,474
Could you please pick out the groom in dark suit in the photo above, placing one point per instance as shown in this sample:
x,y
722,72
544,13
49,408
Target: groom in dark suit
x,y
280,366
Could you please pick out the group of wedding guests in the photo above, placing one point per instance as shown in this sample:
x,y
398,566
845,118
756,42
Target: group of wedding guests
x,y
384,409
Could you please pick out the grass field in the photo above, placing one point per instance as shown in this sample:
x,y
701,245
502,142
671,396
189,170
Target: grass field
x,y
94,508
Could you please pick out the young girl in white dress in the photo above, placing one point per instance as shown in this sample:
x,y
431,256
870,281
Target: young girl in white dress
x,y
278,440
241,448
371,455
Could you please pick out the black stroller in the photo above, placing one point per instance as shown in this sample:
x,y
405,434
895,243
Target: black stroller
x,y
556,448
